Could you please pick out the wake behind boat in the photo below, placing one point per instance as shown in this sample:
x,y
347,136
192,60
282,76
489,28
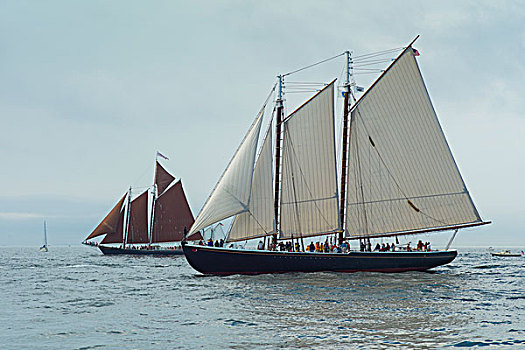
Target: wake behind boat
x,y
397,178
126,227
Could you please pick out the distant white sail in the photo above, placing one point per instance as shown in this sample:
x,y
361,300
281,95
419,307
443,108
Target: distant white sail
x,y
309,204
402,176
232,193
258,221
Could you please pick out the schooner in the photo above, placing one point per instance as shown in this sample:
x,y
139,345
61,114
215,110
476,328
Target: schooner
x,y
127,223
397,177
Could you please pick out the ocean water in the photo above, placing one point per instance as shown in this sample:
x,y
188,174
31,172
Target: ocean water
x,y
76,298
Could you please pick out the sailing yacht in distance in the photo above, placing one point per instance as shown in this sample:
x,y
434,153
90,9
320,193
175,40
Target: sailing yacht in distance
x,y
44,248
126,226
398,177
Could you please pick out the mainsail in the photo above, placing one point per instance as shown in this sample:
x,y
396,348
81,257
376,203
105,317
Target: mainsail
x,y
309,205
109,225
402,177
258,221
138,225
232,193
173,216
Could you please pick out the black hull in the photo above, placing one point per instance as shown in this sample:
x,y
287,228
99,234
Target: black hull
x,y
224,261
155,252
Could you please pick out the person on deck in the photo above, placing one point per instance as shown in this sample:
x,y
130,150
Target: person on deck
x,y
312,247
378,247
260,246
210,242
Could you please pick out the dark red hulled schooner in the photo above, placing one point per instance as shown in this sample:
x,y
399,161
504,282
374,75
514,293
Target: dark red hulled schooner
x,y
397,177
127,229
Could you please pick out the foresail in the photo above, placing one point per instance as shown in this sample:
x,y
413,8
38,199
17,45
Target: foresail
x,y
402,176
309,204
258,221
117,235
232,192
109,224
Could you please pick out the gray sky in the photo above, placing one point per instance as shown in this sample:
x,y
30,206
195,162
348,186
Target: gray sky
x,y
89,90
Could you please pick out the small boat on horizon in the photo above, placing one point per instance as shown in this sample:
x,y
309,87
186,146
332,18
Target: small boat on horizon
x,y
127,229
44,248
397,177
506,253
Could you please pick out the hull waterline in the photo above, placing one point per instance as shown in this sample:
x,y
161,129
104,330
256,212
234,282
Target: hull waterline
x,y
155,252
225,261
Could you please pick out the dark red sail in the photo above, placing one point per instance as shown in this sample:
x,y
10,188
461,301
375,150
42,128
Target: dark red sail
x,y
162,178
173,217
138,230
109,224
117,235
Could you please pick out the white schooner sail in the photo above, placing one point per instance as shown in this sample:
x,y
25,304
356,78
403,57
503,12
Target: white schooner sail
x,y
232,193
309,177
402,178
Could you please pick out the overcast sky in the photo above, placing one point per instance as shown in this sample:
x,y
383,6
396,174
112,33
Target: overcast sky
x,y
89,90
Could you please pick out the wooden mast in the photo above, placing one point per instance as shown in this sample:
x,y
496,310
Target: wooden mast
x,y
278,122
128,217
344,161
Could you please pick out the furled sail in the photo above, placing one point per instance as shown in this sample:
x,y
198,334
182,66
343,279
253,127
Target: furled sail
x,y
232,192
402,176
118,234
138,226
309,204
258,221
110,223
173,216
162,178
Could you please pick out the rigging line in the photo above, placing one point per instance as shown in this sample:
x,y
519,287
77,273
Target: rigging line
x,y
369,63
304,83
392,176
375,70
378,53
313,65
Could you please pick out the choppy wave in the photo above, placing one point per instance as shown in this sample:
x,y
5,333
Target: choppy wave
x,y
75,298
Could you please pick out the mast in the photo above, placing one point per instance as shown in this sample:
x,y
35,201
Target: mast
x,y
278,139
344,165
45,234
152,218
127,220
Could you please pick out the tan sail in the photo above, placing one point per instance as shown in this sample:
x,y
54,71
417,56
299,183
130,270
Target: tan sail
x,y
173,217
402,176
162,178
109,224
138,226
309,205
